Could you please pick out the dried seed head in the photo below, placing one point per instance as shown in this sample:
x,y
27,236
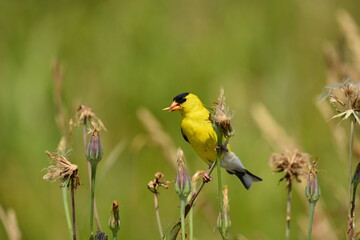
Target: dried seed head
x,y
61,168
157,182
114,220
84,115
94,149
345,97
183,181
222,116
292,163
312,189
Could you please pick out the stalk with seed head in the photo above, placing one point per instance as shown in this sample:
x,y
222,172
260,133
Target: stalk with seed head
x,y
182,188
94,154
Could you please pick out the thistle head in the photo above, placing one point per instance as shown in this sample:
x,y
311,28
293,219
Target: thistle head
x,y
345,98
158,182
86,115
94,149
222,116
114,220
292,163
183,181
61,169
312,189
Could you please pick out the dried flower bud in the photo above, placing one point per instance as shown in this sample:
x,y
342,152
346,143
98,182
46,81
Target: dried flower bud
x,y
224,222
94,150
157,182
183,181
222,116
114,220
312,189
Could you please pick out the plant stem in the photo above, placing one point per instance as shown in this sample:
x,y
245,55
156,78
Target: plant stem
x,y
92,196
88,165
311,217
114,234
73,208
288,211
156,203
191,224
66,205
218,165
176,228
182,216
351,220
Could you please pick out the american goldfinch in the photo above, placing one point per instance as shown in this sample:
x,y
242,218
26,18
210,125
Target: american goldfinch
x,y
197,129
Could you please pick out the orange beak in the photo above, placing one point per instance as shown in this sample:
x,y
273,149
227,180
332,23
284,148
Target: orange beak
x,y
173,107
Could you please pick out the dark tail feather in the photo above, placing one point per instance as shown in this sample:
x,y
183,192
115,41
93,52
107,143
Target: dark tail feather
x,y
247,178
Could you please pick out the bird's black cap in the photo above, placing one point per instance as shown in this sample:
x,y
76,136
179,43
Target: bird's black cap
x,y
180,98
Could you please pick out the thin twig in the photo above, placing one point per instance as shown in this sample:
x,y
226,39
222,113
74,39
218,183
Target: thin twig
x,y
156,203
288,212
73,209
351,220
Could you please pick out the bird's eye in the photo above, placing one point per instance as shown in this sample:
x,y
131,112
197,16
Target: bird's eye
x,y
181,98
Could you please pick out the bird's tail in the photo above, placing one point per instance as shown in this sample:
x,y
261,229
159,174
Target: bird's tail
x,y
246,177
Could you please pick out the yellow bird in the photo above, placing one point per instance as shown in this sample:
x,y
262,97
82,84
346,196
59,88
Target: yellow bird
x,y
197,129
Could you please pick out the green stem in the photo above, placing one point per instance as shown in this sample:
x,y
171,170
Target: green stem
x,y
182,215
176,228
66,206
158,219
114,235
218,165
311,217
92,195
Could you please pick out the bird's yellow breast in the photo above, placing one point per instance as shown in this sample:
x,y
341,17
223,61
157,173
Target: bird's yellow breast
x,y
201,135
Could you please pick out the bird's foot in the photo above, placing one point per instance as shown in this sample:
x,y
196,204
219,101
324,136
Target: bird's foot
x,y
206,177
223,147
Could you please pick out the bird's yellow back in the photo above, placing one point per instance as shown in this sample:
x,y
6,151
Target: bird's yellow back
x,y
197,128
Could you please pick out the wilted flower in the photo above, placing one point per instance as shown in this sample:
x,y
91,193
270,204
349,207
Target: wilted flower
x,y
114,220
94,150
157,182
61,168
292,163
222,116
183,181
85,114
345,97
224,222
312,189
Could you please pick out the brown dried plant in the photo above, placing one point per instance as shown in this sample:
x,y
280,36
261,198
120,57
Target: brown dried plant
x,y
293,163
61,169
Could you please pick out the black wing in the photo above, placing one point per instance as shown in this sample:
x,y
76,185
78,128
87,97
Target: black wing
x,y
184,136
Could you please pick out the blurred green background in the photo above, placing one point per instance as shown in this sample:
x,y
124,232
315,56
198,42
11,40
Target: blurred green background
x,y
118,56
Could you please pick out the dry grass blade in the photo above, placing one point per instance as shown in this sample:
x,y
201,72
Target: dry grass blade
x,y
10,223
158,135
271,130
351,33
